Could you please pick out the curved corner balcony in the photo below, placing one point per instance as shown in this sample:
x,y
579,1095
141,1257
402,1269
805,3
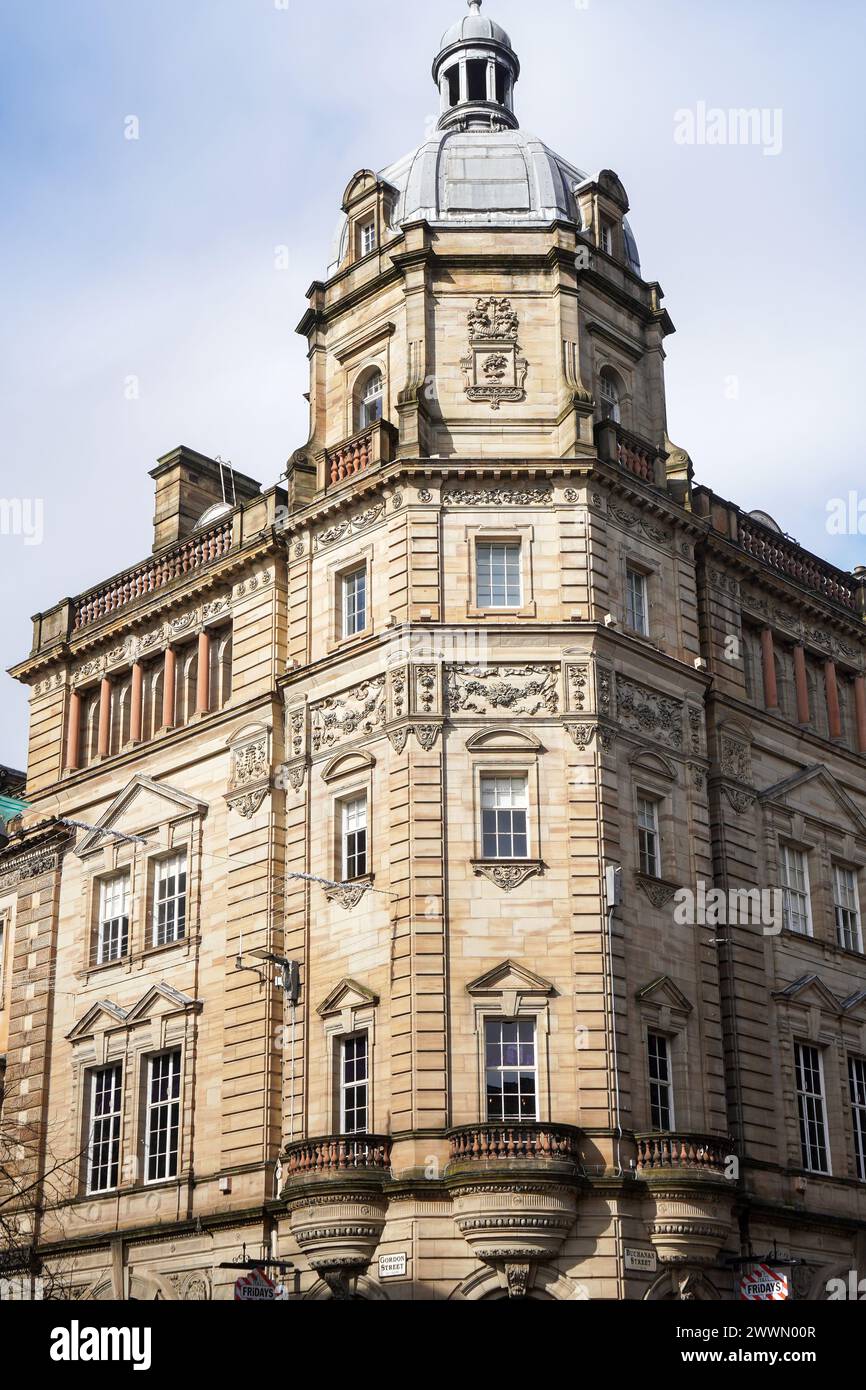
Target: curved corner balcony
x,y
698,1155
334,1190
514,1189
690,1190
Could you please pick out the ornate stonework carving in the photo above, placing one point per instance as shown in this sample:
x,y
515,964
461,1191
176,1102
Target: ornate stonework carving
x,y
698,775
740,799
249,763
348,895
578,686
507,876
398,737
29,866
517,689
582,734
631,519
735,759
297,732
425,495
657,890
649,713
426,735
517,1279
248,804
358,711
499,496
296,776
425,689
696,722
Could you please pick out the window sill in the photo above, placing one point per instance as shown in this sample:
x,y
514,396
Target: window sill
x,y
527,610
507,874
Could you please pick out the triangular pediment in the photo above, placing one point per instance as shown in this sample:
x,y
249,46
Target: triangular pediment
x,y
827,797
811,992
665,993
141,806
855,1005
509,977
160,1000
348,994
100,1016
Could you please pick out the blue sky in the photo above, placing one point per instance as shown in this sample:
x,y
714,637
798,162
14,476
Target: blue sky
x,y
154,258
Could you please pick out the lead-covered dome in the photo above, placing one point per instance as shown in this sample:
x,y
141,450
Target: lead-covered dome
x,y
475,26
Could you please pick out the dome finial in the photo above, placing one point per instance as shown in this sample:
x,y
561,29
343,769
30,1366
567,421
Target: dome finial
x,y
474,5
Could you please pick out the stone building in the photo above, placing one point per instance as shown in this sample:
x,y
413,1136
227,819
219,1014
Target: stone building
x,y
362,915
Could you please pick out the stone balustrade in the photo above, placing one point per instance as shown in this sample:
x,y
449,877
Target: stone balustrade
x,y
195,553
336,1154
361,452
505,1142
668,1153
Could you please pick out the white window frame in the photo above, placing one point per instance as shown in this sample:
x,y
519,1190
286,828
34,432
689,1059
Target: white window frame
x,y
367,239
508,808
660,1086
112,1118
857,1090
610,398
510,577
814,1101
796,899
162,1116
348,811
351,1088
354,614
519,1068
649,864
846,908
371,403
106,917
637,600
176,865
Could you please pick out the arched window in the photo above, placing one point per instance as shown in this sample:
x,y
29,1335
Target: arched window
x,y
369,397
610,396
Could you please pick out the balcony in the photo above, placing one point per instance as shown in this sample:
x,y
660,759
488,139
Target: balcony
x,y
363,451
629,452
333,1187
690,1193
514,1189
664,1154
337,1155
196,553
502,1145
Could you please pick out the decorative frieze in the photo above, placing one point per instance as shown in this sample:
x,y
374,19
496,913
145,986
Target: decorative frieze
x,y
29,866
649,713
516,496
633,520
360,711
525,690
361,521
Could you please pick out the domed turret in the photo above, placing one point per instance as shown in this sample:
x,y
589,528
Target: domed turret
x,y
475,70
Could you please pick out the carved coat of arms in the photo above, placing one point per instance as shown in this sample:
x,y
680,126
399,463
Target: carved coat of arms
x,y
494,369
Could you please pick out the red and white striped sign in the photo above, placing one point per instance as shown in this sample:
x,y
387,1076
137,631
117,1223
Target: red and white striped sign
x,y
255,1288
763,1284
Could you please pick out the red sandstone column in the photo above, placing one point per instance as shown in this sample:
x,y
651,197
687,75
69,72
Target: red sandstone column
x,y
768,653
73,731
104,735
202,685
135,703
803,712
834,718
860,707
168,688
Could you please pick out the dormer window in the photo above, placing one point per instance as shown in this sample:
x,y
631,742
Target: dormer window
x,y
370,398
609,393
607,238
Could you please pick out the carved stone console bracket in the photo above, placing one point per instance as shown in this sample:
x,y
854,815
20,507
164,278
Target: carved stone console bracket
x,y
348,895
248,803
658,890
509,873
